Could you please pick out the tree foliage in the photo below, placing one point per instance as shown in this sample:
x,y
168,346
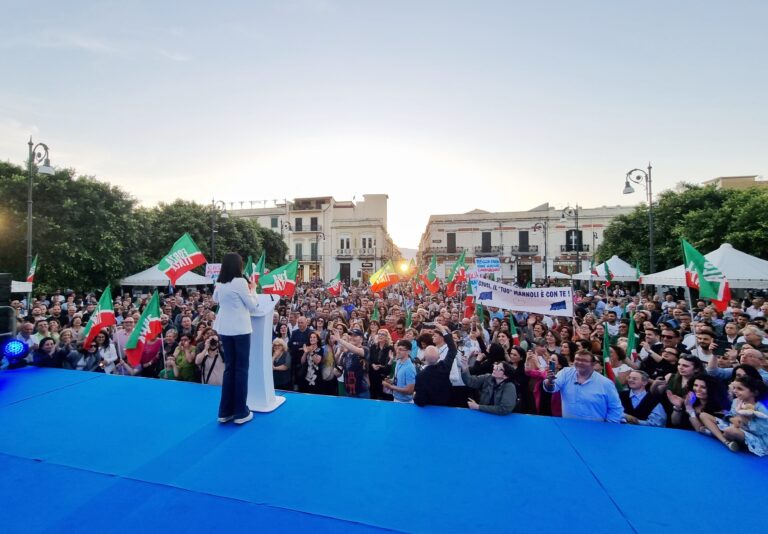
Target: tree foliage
x,y
707,217
89,233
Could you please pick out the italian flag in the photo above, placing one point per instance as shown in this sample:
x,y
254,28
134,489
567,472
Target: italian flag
x,y
430,279
592,267
701,274
184,256
335,286
254,271
607,369
457,274
417,288
513,330
281,281
102,317
32,269
147,330
632,340
638,274
469,303
608,274
384,277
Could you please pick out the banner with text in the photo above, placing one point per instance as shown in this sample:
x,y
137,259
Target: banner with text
x,y
543,300
488,265
212,271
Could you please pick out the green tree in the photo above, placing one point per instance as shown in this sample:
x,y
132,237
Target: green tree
x,y
86,232
705,216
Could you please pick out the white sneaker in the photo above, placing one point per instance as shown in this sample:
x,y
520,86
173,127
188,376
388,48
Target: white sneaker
x,y
226,419
244,419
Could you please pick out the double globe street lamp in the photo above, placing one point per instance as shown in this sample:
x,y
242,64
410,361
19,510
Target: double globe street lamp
x,y
636,176
38,158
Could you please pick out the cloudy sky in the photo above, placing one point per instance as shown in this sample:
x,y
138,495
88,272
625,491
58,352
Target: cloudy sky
x,y
445,105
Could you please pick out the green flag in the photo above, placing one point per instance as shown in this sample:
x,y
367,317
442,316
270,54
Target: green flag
x,y
701,274
184,256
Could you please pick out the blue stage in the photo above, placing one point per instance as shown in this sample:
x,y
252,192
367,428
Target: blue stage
x,y
85,452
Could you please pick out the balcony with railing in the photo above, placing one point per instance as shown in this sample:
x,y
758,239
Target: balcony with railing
x,y
573,249
495,250
366,252
308,228
309,258
518,250
443,251
344,253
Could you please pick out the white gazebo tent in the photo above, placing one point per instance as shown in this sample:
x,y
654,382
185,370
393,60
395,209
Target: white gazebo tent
x,y
621,270
557,275
741,270
154,277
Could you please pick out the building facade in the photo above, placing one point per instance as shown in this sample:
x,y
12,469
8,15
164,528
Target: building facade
x,y
328,236
530,245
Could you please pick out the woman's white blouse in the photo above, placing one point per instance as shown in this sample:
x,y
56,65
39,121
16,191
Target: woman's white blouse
x,y
236,304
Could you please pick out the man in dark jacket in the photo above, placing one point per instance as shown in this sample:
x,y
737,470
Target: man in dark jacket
x,y
433,383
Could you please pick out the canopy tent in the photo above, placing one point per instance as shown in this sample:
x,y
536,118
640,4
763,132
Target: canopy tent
x,y
741,270
557,275
621,270
155,277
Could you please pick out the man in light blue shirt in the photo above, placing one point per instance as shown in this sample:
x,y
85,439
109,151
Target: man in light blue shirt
x,y
405,374
585,394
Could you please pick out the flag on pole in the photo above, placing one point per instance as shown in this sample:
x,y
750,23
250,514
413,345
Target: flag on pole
x,y
457,274
335,286
632,340
384,277
252,270
102,317
430,279
607,369
281,281
638,274
592,267
480,313
469,303
412,268
408,318
608,274
375,314
513,330
418,289
184,256
147,330
32,269
701,274
259,269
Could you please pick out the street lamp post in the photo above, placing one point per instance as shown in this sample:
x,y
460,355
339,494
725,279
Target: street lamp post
x,y
637,176
543,225
217,206
38,153
574,212
318,237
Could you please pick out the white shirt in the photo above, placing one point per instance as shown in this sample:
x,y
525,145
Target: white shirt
x,y
236,305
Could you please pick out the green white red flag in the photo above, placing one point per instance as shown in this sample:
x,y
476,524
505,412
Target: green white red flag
x,y
608,274
632,340
146,331
184,256
335,286
592,267
513,331
384,277
469,303
638,274
458,273
102,317
32,269
430,279
254,270
701,274
281,281
607,369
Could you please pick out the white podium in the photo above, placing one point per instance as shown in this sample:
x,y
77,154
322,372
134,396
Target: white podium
x,y
261,385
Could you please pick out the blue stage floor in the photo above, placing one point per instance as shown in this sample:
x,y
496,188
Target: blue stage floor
x,y
84,452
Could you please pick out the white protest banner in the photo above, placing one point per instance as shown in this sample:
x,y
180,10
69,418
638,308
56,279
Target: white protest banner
x,y
212,271
488,265
543,300
472,276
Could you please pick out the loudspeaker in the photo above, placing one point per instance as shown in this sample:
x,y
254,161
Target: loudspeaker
x,y
5,289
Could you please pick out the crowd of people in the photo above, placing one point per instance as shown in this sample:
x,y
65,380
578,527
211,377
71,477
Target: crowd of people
x,y
694,368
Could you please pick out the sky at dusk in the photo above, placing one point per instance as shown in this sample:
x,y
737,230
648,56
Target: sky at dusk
x,y
446,106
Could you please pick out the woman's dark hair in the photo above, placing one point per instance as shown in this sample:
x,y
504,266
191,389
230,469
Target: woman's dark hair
x,y
231,267
716,396
45,340
563,361
107,337
496,353
572,348
509,370
319,338
698,364
424,340
748,371
620,353
520,351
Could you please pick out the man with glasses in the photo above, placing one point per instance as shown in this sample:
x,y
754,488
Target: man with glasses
x,y
585,394
122,335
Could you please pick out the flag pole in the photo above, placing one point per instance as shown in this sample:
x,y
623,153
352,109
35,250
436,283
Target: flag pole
x,y
688,299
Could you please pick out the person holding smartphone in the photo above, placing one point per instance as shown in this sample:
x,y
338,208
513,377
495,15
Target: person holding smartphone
x,y
236,303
